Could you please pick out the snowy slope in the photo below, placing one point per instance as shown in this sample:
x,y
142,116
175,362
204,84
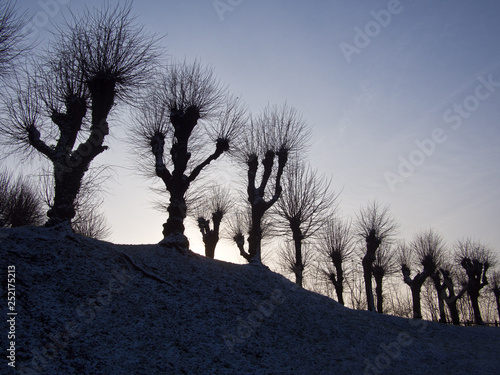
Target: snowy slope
x,y
91,307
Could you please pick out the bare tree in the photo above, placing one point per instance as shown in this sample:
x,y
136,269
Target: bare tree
x,y
475,258
374,225
385,264
495,287
215,205
425,249
448,292
170,119
437,248
303,204
239,223
335,244
271,138
97,60
11,36
20,204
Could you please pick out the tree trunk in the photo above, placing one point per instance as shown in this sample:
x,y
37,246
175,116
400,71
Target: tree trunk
x,y
367,275
67,183
379,276
439,288
452,306
299,264
255,234
339,287
173,229
415,294
474,299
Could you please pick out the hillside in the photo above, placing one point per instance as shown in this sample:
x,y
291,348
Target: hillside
x,y
90,307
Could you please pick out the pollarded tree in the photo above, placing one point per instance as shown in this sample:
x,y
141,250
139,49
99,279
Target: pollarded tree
x,y
270,140
448,294
426,250
170,120
435,242
475,258
335,244
11,36
303,204
385,264
375,226
96,61
238,226
215,205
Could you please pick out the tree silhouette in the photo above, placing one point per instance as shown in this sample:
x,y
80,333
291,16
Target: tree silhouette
x,y
374,225
215,206
170,120
475,258
270,139
303,204
97,60
385,264
335,245
425,249
450,297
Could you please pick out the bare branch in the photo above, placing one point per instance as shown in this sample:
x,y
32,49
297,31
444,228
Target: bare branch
x,y
374,217
11,36
305,199
185,86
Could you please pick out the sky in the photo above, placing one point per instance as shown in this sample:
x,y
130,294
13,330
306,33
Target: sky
x,y
402,98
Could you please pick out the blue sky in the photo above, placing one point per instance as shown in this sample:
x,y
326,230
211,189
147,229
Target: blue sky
x,y
419,77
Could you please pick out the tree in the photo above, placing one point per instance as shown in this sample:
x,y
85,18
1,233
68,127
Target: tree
x,y
451,298
19,203
239,228
495,287
11,37
303,204
475,258
384,265
97,60
336,247
170,117
215,205
374,225
271,138
425,249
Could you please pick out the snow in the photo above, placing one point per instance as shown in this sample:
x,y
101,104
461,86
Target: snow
x,y
91,307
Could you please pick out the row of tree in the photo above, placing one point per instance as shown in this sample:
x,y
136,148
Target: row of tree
x,y
59,106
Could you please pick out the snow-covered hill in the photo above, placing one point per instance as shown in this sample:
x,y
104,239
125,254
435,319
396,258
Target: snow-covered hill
x,y
90,307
